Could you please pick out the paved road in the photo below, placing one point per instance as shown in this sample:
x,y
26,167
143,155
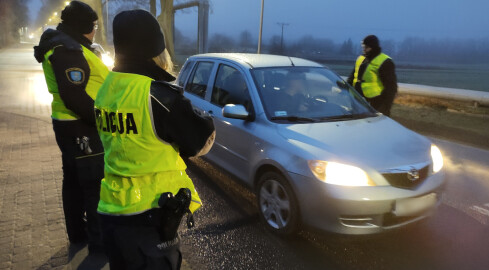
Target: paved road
x,y
32,229
228,234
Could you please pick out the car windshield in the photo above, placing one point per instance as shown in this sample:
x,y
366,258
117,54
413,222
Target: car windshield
x,y
308,94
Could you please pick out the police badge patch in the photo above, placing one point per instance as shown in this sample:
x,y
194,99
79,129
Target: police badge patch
x,y
75,75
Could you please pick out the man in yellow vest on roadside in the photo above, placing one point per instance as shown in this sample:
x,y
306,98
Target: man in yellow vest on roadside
x,y
73,75
374,76
146,125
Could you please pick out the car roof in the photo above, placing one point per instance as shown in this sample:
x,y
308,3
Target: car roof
x,y
259,60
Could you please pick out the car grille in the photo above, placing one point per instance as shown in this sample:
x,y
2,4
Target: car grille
x,y
401,180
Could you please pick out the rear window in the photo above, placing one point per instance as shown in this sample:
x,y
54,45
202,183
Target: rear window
x,y
184,73
197,84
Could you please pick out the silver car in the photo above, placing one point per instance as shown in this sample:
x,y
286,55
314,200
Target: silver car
x,y
313,150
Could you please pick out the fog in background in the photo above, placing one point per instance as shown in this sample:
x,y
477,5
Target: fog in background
x,y
13,20
438,31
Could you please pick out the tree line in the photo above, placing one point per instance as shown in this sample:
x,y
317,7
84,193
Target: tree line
x,y
13,16
409,49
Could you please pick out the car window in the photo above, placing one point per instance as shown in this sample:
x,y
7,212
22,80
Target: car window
x,y
184,73
307,92
198,80
230,88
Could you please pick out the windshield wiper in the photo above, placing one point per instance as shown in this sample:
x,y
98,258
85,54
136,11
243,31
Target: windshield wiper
x,y
347,116
293,118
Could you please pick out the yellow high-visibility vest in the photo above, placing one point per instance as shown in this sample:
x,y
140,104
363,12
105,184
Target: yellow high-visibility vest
x,y
98,72
371,84
139,167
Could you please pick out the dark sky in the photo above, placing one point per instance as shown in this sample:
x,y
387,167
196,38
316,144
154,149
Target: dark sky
x,y
341,19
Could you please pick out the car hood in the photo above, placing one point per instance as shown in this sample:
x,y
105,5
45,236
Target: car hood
x,y
377,142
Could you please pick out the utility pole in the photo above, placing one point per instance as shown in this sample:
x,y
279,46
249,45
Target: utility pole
x,y
152,7
100,36
261,27
282,36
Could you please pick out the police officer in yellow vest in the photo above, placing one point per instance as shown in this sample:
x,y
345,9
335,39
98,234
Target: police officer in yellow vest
x,y
146,125
374,76
73,75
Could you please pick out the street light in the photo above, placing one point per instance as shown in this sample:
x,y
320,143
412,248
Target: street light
x,y
261,27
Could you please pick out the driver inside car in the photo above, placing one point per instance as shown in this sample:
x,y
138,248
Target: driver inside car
x,y
296,95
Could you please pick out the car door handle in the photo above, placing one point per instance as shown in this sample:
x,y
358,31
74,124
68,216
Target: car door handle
x,y
207,113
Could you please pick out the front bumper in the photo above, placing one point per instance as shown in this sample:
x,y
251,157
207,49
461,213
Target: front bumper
x,y
363,210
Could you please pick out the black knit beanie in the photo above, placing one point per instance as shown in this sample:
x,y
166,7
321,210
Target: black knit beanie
x,y
371,41
137,35
79,17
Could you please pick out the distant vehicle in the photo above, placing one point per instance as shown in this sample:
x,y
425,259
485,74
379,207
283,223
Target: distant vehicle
x,y
46,27
312,149
105,56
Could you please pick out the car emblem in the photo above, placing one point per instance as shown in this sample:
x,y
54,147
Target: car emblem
x,y
413,175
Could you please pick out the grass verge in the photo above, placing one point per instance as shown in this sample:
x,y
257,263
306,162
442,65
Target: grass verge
x,y
445,119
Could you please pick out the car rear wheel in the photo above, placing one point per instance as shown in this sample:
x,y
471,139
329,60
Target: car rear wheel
x,y
277,204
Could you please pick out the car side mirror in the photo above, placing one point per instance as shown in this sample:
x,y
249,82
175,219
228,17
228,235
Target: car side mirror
x,y
342,84
236,111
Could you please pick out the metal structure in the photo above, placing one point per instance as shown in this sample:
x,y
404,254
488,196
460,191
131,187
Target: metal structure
x,y
167,20
282,36
203,21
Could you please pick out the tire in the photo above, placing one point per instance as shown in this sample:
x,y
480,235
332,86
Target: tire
x,y
278,207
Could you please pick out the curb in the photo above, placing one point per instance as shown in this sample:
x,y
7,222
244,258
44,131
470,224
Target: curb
x,y
473,96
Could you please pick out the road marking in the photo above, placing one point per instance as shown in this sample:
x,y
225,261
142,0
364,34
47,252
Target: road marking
x,y
480,213
477,212
481,210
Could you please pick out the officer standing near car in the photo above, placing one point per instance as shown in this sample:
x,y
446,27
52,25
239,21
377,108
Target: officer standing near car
x,y
73,75
374,76
146,125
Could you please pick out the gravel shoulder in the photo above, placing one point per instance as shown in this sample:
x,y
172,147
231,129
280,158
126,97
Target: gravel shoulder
x,y
450,120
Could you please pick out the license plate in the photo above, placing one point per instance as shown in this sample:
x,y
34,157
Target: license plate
x,y
413,206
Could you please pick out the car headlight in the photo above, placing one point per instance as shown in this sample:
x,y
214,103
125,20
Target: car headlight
x,y
437,158
108,61
339,174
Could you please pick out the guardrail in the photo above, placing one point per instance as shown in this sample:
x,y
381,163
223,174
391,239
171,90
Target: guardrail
x,y
476,97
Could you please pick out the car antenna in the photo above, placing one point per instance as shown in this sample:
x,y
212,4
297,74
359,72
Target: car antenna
x,y
291,61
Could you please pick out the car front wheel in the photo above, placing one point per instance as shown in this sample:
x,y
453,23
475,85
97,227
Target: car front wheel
x,y
277,204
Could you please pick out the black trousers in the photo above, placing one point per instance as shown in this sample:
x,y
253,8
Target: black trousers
x,y
134,242
82,175
382,104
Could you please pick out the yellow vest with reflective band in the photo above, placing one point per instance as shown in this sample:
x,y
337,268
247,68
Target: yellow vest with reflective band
x,y
98,72
138,165
371,84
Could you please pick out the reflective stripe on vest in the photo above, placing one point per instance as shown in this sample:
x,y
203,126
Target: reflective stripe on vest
x,y
371,84
98,72
138,165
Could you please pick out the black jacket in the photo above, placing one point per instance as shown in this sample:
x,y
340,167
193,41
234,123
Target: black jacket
x,y
68,54
174,118
387,75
